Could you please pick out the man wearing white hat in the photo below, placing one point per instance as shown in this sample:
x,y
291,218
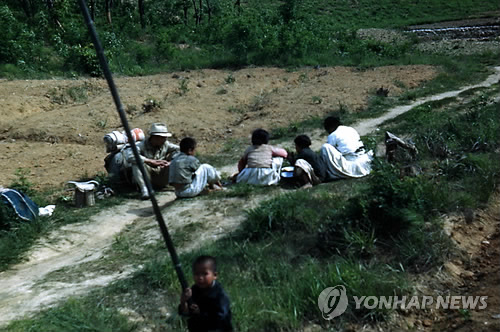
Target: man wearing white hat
x,y
156,153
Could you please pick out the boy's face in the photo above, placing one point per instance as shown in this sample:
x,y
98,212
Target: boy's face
x,y
204,275
298,148
191,152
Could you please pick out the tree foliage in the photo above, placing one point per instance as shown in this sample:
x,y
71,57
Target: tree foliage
x,y
49,36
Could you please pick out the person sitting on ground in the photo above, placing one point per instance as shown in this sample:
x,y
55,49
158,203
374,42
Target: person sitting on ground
x,y
309,167
261,163
344,154
188,176
205,303
156,153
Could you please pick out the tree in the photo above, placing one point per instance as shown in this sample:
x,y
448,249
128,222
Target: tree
x,y
141,13
109,5
53,14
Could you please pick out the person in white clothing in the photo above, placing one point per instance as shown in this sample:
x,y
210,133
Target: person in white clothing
x,y
344,153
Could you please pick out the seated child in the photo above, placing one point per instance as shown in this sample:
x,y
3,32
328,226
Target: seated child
x,y
187,175
261,163
309,167
205,303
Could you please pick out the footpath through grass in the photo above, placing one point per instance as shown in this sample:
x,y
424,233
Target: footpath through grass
x,y
368,235
18,236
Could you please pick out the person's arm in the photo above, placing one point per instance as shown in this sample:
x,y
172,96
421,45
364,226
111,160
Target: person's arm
x,y
194,165
184,306
172,151
129,154
332,139
279,152
292,157
156,163
242,163
223,313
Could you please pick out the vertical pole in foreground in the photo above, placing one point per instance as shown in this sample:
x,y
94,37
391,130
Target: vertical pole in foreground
x,y
123,118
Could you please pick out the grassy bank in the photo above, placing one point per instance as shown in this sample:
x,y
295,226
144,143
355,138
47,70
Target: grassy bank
x,y
369,235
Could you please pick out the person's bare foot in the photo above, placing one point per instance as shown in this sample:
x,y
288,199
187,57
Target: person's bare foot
x,y
306,186
217,187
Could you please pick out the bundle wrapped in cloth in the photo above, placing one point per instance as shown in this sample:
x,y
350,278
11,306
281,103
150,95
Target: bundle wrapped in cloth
x,y
117,139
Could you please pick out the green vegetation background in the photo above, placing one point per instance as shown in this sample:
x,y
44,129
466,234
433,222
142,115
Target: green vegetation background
x,y
39,41
372,235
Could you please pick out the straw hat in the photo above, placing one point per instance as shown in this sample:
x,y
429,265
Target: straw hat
x,y
159,129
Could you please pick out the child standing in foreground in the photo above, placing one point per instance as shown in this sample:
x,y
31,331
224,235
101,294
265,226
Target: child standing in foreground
x,y
261,163
187,175
206,304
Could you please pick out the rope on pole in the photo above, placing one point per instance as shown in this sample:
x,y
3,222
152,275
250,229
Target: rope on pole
x,y
114,92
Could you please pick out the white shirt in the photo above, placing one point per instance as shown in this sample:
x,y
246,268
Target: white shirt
x,y
345,139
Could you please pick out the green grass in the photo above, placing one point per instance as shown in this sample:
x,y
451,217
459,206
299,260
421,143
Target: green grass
x,y
390,13
75,315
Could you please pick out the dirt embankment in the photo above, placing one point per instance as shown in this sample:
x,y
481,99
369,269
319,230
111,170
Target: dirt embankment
x,y
54,128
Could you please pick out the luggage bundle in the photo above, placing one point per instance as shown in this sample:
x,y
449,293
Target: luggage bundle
x,y
116,140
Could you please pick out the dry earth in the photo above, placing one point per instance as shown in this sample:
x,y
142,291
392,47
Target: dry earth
x,y
55,128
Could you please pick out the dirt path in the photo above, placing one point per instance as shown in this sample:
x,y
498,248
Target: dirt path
x,y
28,287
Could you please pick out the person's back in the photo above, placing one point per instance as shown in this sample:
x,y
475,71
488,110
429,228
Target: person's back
x,y
314,159
259,156
345,139
261,163
344,154
309,167
187,175
182,168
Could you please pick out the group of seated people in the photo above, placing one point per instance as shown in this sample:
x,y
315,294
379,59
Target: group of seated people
x,y
343,156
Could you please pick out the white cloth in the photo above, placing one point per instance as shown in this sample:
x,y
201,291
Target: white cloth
x,y
308,169
261,176
338,166
205,174
84,186
345,139
46,211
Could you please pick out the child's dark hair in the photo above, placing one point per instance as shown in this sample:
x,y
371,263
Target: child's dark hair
x,y
205,259
260,136
302,141
331,122
187,143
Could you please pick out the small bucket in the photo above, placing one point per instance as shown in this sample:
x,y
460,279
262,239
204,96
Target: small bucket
x,y
287,174
84,198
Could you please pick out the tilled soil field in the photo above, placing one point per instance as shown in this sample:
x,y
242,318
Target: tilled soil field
x,y
54,128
